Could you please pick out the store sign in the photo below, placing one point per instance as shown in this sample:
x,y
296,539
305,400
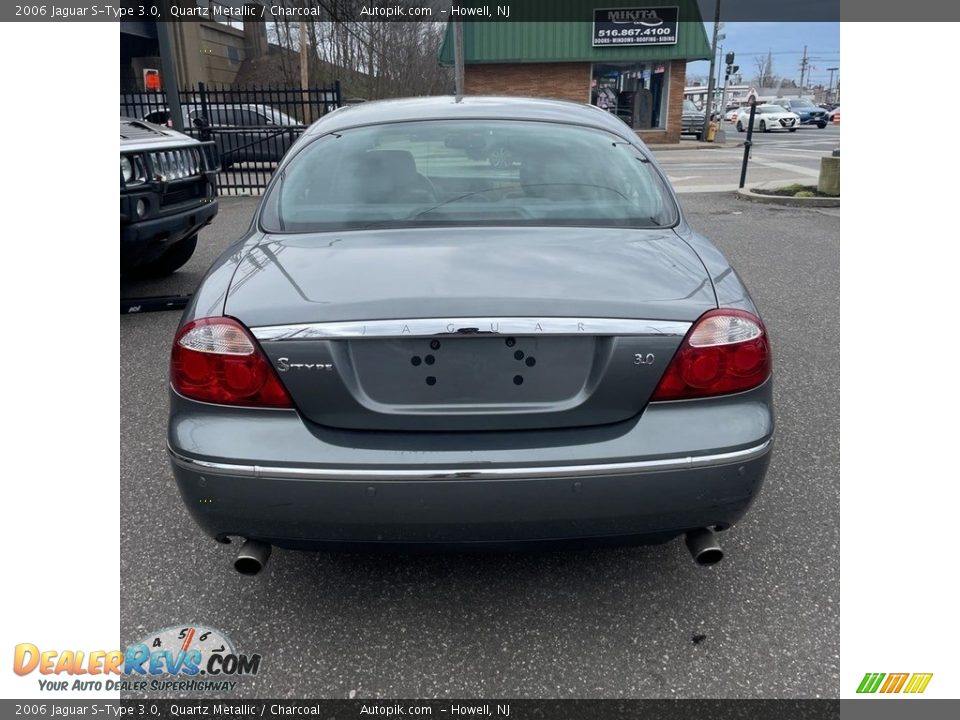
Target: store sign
x,y
635,26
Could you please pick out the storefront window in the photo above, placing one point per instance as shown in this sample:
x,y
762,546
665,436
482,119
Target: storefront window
x,y
634,92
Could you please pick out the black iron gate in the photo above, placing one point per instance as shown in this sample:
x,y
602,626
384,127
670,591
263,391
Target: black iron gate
x,y
253,127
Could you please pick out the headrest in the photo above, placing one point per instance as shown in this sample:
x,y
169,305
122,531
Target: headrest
x,y
395,163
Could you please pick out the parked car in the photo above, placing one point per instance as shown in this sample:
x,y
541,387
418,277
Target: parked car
x,y
243,133
731,114
834,115
808,113
167,195
691,122
767,118
405,347
496,148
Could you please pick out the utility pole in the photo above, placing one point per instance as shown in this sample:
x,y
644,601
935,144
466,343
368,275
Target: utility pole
x,y
803,71
708,109
830,85
719,53
305,73
458,57
730,70
304,56
168,63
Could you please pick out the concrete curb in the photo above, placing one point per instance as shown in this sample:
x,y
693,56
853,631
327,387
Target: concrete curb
x,y
687,145
815,202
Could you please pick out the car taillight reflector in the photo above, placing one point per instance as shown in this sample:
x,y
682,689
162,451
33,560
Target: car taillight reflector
x,y
216,360
726,351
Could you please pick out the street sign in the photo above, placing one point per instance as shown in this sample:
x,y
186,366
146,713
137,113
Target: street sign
x,y
613,27
151,80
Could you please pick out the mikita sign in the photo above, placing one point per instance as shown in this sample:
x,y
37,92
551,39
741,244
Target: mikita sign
x,y
635,26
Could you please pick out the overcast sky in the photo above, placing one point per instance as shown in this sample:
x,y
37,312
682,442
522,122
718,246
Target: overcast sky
x,y
785,40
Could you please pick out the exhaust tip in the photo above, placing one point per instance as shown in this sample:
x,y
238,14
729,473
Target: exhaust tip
x,y
252,558
247,566
703,546
709,557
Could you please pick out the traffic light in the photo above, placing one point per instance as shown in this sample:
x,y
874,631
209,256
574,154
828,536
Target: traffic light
x,y
730,58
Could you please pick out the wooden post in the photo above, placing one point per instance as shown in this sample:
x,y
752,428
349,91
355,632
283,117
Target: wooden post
x,y
305,73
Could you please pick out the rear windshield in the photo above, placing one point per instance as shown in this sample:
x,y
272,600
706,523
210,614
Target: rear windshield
x,y
462,172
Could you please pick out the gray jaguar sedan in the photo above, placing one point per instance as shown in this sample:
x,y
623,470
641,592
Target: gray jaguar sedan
x,y
414,345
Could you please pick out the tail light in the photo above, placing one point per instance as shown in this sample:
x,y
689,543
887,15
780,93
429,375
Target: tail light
x,y
726,351
217,361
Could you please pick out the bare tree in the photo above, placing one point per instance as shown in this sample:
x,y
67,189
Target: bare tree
x,y
765,76
372,59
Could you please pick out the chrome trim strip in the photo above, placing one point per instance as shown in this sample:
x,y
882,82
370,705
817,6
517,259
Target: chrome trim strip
x,y
507,473
432,327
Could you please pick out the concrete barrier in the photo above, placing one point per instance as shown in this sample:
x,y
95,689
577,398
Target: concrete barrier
x,y
829,182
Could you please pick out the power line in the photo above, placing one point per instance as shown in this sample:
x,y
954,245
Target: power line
x,y
790,52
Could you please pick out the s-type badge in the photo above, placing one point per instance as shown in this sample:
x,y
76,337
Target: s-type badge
x,y
284,365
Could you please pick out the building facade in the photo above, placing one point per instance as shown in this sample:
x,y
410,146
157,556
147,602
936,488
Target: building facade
x,y
210,52
630,60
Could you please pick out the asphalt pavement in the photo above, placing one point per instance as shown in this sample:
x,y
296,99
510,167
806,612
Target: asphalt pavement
x,y
774,156
628,622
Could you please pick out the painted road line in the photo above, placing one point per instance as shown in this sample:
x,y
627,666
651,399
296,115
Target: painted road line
x,y
786,166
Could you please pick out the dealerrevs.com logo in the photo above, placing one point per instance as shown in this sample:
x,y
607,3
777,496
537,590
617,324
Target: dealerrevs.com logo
x,y
909,683
176,659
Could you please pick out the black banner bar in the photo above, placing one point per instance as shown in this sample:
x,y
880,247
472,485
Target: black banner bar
x,y
442,709
140,12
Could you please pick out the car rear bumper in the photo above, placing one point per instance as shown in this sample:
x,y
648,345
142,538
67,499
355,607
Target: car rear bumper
x,y
268,475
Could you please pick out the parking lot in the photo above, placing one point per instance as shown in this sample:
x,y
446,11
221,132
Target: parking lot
x,y
629,622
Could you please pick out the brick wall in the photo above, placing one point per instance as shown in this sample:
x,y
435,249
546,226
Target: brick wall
x,y
561,81
568,81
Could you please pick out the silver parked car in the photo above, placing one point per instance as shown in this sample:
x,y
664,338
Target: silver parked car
x,y
409,345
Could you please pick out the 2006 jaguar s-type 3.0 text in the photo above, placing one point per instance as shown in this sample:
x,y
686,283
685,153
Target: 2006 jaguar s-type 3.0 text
x,y
483,321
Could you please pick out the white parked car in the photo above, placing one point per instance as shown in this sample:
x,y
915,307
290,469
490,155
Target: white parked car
x,y
731,115
767,118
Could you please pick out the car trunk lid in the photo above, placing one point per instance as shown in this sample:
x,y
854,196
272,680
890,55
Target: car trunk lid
x,y
470,329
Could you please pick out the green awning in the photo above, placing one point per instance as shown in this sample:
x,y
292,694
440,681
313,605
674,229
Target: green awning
x,y
537,42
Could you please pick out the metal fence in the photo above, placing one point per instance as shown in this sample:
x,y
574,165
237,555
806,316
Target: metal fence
x,y
253,127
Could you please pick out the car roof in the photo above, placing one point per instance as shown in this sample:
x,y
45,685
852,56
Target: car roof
x,y
474,107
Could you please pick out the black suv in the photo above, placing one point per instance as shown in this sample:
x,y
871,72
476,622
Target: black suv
x,y
167,194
